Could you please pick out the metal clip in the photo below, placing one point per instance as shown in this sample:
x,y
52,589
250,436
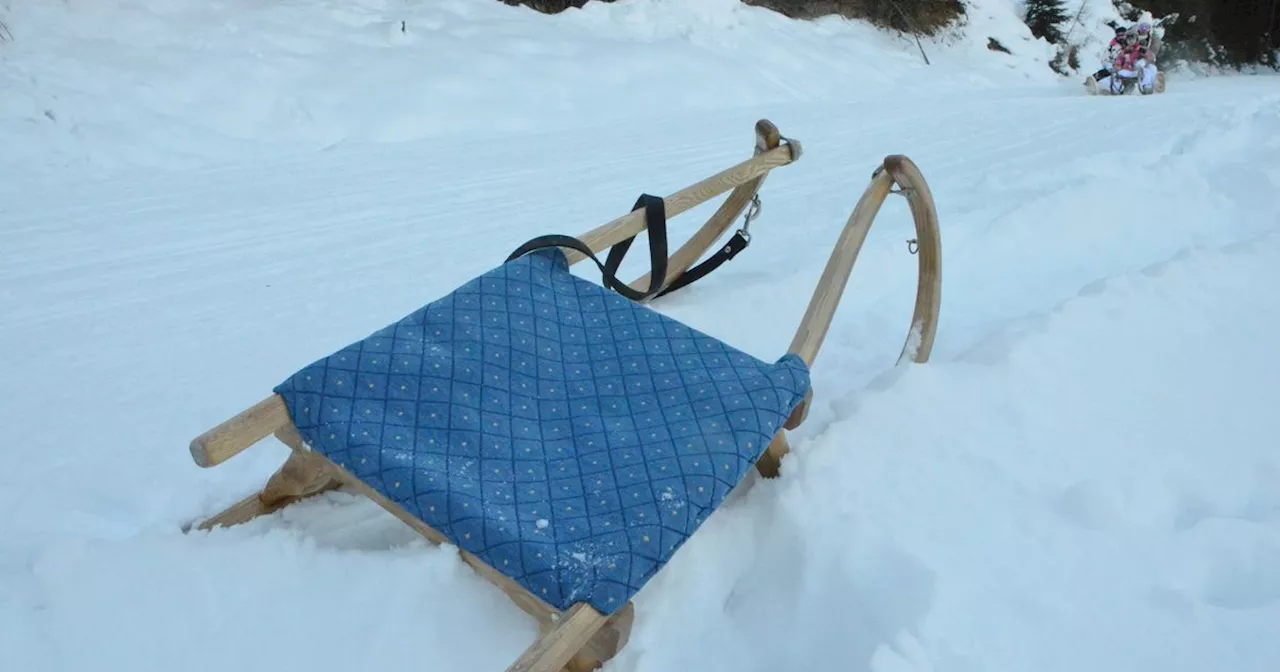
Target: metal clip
x,y
753,211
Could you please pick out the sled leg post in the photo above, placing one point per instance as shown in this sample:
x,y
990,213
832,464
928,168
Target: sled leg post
x,y
553,649
304,474
770,463
606,643
301,476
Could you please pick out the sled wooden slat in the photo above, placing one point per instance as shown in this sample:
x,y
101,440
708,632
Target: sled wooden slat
x,y
239,432
605,236
767,138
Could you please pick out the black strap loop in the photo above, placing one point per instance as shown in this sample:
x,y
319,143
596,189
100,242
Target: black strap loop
x,y
655,213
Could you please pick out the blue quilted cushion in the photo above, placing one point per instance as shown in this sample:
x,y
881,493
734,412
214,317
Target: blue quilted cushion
x,y
569,437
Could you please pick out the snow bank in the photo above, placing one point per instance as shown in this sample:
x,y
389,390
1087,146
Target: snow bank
x,y
142,82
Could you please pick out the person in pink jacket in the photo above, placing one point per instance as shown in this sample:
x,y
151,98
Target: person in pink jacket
x,y
1128,64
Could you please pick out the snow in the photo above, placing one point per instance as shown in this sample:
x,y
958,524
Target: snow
x,y
196,199
238,78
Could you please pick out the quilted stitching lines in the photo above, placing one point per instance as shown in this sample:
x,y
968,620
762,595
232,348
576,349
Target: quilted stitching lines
x,y
565,435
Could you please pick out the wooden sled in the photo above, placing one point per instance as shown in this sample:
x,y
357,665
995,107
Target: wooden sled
x,y
1129,87
585,617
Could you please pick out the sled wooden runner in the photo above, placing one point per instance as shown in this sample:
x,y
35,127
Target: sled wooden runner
x,y
580,636
894,170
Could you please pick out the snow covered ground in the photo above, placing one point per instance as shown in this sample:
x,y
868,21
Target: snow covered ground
x,y
196,199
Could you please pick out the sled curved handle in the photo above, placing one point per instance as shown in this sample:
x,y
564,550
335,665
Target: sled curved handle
x,y
894,170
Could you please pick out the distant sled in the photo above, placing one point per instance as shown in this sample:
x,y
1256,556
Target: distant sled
x,y
565,437
1128,86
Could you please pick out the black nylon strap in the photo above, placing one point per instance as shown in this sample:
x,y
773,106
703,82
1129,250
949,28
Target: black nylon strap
x,y
730,250
655,213
656,223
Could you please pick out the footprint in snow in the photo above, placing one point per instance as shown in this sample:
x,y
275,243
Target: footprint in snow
x,y
1247,578
1262,505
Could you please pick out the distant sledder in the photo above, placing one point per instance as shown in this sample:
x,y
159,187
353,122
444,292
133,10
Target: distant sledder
x,y
1131,57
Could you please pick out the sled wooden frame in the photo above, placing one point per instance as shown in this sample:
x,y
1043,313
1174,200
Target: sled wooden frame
x,y
581,638
1131,84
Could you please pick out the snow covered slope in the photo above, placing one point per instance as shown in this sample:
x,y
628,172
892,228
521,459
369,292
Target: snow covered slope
x,y
114,83
1085,477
